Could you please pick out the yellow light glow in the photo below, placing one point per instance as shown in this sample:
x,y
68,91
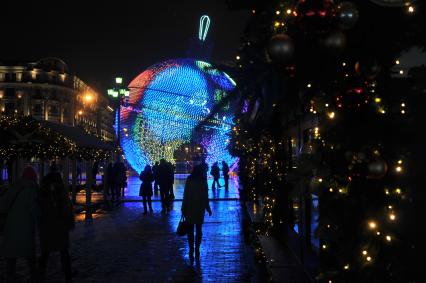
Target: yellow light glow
x,y
326,105
364,252
309,85
331,190
398,169
401,72
238,57
277,24
346,267
324,247
397,62
372,225
398,191
392,216
343,64
403,104
378,233
288,11
377,99
88,97
386,191
340,191
331,115
369,258
277,12
320,180
80,112
382,111
402,111
399,161
388,238
411,9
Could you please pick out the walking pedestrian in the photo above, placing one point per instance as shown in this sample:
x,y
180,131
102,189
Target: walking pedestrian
x,y
20,204
195,203
109,179
56,219
225,171
155,172
163,181
215,172
170,180
119,179
146,176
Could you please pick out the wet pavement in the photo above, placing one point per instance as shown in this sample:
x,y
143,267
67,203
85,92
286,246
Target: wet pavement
x,y
122,245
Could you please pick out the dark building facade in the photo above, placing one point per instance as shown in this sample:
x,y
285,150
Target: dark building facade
x,y
46,90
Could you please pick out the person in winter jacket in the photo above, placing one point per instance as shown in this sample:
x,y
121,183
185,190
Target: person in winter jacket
x,y
20,204
195,203
147,177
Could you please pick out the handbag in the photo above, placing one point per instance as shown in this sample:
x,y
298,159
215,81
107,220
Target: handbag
x,y
183,226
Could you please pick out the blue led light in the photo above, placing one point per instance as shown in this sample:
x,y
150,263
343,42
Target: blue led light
x,y
166,103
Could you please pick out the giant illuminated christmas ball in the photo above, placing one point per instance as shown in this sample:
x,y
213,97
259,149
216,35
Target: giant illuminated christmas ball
x,y
166,103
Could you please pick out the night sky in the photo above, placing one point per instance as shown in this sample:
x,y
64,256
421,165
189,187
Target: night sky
x,y
101,40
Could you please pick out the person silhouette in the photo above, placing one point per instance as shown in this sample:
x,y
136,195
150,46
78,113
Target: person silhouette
x,y
146,176
215,172
56,219
19,236
163,182
195,203
155,172
225,171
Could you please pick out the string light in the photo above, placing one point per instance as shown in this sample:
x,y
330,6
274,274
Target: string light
x,y
166,103
372,225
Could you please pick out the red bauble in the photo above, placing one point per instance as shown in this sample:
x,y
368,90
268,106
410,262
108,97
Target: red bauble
x,y
315,15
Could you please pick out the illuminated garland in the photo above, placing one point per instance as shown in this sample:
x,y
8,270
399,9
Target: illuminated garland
x,y
25,137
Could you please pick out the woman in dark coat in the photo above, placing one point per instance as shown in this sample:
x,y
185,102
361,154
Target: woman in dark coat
x,y
195,203
147,177
56,220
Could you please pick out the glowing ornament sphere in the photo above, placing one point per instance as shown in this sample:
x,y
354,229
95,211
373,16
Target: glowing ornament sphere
x,y
166,103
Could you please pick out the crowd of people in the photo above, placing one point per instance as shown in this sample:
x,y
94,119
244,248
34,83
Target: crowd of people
x,y
45,207
31,207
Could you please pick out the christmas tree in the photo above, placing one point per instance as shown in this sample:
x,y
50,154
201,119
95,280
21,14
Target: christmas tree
x,y
328,110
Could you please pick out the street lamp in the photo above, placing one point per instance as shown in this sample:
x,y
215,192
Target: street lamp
x,y
118,93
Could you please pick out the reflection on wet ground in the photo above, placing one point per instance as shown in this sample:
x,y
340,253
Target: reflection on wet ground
x,y
122,245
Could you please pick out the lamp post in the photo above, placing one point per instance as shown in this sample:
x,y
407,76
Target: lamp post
x,y
118,93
